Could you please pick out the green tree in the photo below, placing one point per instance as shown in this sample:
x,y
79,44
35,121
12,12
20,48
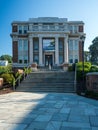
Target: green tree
x,y
6,57
94,51
86,56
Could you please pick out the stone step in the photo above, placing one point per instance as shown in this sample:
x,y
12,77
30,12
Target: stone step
x,y
48,82
58,90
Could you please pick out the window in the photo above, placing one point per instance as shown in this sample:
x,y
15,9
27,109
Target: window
x,y
70,45
25,44
23,50
76,59
70,28
20,29
25,59
48,44
36,44
20,59
61,45
25,29
36,58
76,45
60,58
70,58
20,47
75,29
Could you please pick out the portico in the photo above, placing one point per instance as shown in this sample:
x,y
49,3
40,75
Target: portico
x,y
48,54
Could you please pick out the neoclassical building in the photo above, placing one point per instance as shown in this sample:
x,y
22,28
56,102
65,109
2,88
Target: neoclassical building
x,y
47,40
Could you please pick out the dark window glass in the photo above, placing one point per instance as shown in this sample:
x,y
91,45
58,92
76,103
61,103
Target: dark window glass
x,y
20,31
71,60
20,61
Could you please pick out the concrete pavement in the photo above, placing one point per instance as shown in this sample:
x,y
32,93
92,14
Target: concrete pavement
x,y
47,111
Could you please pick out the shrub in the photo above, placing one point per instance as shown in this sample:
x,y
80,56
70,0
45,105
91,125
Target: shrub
x,y
8,78
87,67
5,69
94,68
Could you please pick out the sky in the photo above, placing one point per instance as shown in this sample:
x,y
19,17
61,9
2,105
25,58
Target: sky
x,y
22,10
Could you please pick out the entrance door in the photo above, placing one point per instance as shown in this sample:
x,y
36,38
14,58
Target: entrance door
x,y
48,60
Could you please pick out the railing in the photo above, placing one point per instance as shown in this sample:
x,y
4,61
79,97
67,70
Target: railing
x,y
75,78
21,77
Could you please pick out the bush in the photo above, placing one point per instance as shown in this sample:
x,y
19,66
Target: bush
x,y
87,67
5,69
94,68
8,78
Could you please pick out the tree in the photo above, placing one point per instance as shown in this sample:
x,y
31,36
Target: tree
x,y
86,56
94,51
6,57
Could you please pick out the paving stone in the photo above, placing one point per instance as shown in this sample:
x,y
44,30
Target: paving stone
x,y
96,111
94,128
78,118
65,110
53,125
77,111
69,128
37,125
90,111
94,121
76,125
59,117
43,118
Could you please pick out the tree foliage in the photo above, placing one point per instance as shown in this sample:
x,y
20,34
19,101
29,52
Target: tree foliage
x,y
94,51
6,57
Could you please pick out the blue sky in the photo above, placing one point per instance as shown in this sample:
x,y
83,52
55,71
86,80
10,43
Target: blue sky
x,y
13,10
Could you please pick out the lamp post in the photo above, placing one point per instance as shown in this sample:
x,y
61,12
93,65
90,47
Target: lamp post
x,y
82,38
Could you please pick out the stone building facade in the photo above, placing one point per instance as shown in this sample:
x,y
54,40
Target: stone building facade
x,y
47,40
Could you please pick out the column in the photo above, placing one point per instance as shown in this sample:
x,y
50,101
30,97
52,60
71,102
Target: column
x,y
66,49
31,50
40,51
56,51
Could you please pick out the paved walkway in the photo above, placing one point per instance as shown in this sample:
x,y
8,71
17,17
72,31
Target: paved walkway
x,y
47,111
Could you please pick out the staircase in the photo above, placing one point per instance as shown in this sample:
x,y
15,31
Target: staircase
x,y
48,81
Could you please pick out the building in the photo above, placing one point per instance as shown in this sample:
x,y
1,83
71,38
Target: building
x,y
47,40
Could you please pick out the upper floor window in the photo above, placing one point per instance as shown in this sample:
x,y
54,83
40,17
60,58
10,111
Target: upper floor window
x,y
70,28
25,29
20,29
75,29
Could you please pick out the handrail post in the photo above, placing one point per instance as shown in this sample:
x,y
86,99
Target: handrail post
x,y
75,79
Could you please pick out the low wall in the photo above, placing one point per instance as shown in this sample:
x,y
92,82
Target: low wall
x,y
92,81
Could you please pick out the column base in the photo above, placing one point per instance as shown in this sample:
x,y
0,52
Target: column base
x,y
65,66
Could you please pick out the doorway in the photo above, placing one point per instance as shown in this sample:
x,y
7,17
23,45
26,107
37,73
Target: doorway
x,y
48,60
